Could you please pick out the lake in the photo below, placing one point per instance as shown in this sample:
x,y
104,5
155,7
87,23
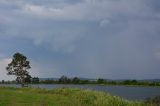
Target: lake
x,y
127,92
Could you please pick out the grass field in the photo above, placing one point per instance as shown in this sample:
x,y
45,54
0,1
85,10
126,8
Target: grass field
x,y
60,97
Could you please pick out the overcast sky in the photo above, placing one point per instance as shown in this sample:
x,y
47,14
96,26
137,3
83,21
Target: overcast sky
x,y
114,39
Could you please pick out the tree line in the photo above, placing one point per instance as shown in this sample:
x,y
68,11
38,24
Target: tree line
x,y
65,80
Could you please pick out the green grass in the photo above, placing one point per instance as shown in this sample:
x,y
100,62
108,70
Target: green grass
x,y
60,97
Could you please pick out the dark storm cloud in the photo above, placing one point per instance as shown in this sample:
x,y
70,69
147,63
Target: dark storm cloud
x,y
86,38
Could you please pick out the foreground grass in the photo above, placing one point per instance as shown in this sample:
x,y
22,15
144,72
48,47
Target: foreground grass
x,y
60,97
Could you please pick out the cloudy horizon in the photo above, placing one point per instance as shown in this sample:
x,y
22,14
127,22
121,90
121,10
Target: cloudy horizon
x,y
112,39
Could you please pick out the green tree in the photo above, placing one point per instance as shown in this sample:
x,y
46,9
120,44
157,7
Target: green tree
x,y
35,80
18,67
100,81
28,79
3,81
64,79
75,80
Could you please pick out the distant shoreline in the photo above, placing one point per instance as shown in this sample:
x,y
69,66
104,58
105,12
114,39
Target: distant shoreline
x,y
80,84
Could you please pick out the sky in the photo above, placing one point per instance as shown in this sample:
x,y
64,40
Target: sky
x,y
112,39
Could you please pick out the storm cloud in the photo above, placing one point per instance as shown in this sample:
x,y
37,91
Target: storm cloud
x,y
115,39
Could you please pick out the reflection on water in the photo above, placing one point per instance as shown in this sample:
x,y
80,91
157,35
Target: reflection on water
x,y
133,93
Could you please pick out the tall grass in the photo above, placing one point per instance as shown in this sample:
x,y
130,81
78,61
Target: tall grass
x,y
60,97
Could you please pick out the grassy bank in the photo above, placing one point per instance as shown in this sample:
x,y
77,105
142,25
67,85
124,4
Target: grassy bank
x,y
60,97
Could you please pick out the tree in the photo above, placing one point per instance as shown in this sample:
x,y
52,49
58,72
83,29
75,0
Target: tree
x,y
28,79
100,81
3,81
18,67
64,79
75,80
35,80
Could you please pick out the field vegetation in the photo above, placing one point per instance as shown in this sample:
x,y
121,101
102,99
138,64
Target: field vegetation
x,y
61,97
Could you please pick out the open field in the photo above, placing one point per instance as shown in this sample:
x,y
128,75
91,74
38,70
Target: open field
x,y
60,97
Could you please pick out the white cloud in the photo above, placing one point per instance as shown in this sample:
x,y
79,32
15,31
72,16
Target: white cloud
x,y
3,73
